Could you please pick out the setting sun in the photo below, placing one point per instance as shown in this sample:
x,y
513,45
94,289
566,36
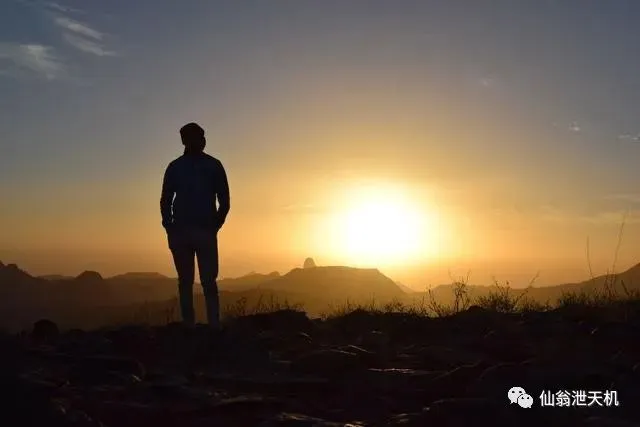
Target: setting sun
x,y
380,225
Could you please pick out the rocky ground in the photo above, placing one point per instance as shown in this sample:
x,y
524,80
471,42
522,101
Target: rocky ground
x,y
360,369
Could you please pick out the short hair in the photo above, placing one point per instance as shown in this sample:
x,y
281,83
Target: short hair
x,y
191,130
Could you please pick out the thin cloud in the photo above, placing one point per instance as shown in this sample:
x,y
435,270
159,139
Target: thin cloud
x,y
36,58
487,82
82,36
60,8
572,127
631,138
53,6
87,46
41,58
77,27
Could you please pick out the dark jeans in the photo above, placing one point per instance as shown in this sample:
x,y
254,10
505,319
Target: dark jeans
x,y
186,244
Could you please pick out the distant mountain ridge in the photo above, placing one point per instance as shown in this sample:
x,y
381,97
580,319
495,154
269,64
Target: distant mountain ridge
x,y
626,281
55,277
139,276
25,298
405,288
336,282
248,281
12,276
55,295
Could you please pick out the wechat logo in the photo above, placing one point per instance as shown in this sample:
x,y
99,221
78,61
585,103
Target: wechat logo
x,y
519,395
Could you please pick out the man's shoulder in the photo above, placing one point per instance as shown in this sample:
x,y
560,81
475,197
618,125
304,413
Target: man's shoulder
x,y
213,161
175,163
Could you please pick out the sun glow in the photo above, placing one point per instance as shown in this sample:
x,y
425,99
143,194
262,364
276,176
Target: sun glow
x,y
382,226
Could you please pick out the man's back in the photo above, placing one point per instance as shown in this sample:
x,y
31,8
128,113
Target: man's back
x,y
191,186
196,180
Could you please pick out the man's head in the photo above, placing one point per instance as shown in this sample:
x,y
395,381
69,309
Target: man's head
x,y
192,136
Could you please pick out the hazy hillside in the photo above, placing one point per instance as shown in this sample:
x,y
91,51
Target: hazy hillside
x,y
139,276
405,288
55,277
91,299
24,298
337,282
249,281
629,279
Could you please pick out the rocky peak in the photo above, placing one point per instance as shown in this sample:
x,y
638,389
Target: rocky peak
x,y
89,276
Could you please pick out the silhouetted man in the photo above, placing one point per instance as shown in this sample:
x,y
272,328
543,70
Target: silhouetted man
x,y
191,185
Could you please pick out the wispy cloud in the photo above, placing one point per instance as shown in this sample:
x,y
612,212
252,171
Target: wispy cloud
x,y
87,46
49,6
77,27
36,58
82,36
487,81
60,8
42,57
575,127
631,138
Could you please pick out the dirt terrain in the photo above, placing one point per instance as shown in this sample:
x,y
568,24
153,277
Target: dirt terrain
x,y
360,369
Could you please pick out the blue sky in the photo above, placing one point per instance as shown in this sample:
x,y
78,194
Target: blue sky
x,y
542,96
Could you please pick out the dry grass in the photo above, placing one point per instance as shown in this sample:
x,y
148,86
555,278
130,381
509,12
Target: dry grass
x,y
503,298
609,293
461,299
241,307
394,306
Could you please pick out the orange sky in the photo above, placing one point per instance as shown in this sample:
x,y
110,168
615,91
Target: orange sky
x,y
364,139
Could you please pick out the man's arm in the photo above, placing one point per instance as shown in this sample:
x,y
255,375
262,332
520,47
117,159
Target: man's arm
x,y
224,199
166,198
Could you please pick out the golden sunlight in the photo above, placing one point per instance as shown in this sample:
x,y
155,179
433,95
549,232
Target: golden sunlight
x,y
381,226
